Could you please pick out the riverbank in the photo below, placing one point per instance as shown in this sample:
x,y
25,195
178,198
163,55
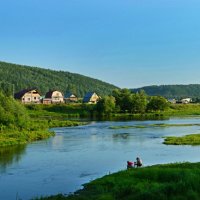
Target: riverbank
x,y
38,130
21,124
88,111
43,117
168,181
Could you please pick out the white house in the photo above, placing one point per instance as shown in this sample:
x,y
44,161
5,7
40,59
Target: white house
x,y
186,100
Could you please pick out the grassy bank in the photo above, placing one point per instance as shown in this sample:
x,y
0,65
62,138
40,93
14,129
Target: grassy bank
x,y
77,110
21,124
37,130
170,181
193,139
15,137
182,110
87,110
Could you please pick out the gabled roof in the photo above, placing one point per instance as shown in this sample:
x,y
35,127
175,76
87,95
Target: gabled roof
x,y
50,93
88,96
69,94
20,94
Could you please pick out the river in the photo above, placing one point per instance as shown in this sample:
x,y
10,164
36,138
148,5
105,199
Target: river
x,y
77,155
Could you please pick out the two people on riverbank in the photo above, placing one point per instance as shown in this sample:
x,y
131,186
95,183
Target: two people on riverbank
x,y
138,163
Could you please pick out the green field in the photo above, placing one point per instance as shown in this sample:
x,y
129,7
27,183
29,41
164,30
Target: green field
x,y
183,110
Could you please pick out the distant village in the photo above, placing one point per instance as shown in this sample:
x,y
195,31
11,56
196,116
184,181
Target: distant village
x,y
53,97
27,96
181,101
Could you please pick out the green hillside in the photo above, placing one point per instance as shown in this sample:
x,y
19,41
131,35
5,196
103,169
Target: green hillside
x,y
23,77
172,91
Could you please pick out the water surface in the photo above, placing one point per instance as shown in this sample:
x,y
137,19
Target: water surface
x,y
77,155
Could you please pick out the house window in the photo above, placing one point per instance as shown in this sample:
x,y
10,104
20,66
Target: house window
x,y
29,99
35,98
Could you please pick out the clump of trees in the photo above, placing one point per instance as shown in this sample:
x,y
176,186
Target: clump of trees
x,y
12,114
157,103
106,105
125,101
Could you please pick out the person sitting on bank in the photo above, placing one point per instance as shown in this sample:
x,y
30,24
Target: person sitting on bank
x,y
138,162
130,164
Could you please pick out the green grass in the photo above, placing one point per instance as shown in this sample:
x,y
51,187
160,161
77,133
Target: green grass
x,y
76,110
37,130
193,139
13,137
180,181
127,127
152,125
183,110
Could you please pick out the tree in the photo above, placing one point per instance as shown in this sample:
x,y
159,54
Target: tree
x,y
123,99
12,113
157,103
138,102
130,102
106,105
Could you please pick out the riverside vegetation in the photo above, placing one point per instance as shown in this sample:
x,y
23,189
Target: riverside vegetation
x,y
169,181
193,139
20,124
17,127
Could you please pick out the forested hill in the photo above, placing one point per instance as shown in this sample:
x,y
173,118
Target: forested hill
x,y
172,91
44,80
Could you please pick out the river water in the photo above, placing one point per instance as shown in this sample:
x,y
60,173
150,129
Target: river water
x,y
77,155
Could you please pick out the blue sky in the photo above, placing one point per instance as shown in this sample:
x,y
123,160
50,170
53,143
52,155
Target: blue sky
x,y
129,43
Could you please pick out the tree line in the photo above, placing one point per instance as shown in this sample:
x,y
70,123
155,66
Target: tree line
x,y
125,101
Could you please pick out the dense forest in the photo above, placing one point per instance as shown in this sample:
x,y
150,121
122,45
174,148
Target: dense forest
x,y
18,77
172,91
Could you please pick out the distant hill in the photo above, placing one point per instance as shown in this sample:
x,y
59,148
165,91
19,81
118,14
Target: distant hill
x,y
44,80
172,91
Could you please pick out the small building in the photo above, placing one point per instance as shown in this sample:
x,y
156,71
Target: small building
x,y
71,98
91,97
53,97
186,100
28,96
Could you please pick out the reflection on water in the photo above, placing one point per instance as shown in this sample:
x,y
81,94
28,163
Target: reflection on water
x,y
10,155
80,154
119,136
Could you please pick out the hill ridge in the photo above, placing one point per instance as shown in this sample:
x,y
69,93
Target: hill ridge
x,y
172,91
24,76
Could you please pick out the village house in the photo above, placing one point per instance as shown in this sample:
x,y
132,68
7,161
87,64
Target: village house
x,y
52,97
71,98
91,98
28,96
186,100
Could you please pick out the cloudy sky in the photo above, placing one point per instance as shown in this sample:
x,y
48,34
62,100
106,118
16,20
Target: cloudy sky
x,y
129,43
